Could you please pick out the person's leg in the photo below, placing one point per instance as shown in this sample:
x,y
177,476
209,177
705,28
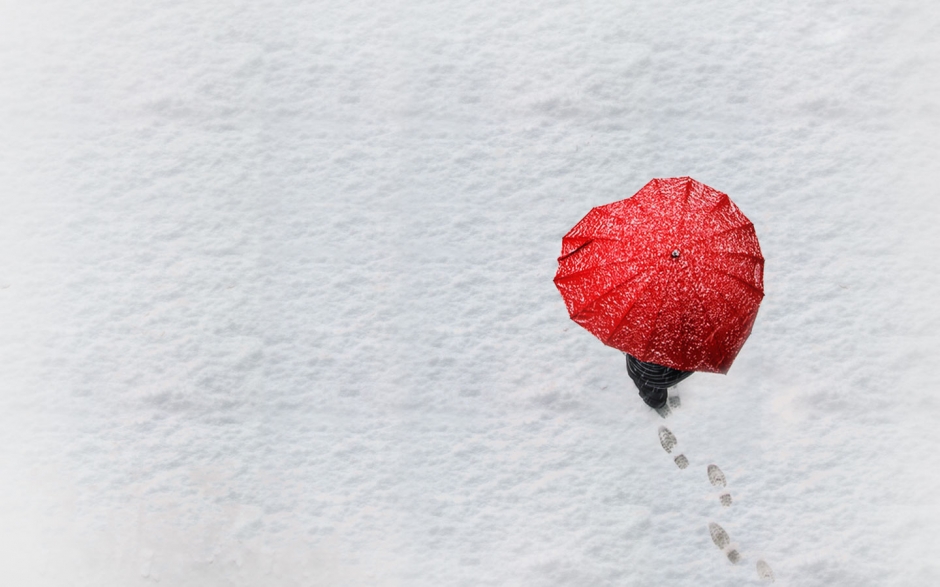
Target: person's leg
x,y
655,397
652,380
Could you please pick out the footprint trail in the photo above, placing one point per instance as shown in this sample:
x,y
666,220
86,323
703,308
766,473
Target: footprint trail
x,y
668,440
717,479
722,540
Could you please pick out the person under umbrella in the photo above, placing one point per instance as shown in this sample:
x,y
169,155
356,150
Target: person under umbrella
x,y
672,277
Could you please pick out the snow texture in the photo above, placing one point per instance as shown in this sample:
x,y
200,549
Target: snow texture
x,y
277,304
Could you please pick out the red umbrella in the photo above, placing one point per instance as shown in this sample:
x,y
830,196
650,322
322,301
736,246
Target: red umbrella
x,y
673,275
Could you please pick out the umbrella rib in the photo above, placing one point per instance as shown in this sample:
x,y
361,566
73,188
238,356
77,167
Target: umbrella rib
x,y
649,339
627,313
736,254
607,293
722,201
607,214
592,239
720,232
708,316
732,276
685,207
731,305
591,268
578,248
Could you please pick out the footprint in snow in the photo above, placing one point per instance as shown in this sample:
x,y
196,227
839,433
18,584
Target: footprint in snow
x,y
668,441
722,540
717,478
673,403
719,536
764,572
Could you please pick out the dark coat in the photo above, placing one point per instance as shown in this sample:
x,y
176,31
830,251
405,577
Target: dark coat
x,y
652,380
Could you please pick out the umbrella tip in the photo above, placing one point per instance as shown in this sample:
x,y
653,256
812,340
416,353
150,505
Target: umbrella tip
x,y
675,254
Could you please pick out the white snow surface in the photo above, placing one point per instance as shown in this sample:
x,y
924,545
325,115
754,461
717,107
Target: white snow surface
x,y
276,299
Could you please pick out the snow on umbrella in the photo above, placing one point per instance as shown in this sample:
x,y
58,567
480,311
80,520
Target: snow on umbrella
x,y
672,275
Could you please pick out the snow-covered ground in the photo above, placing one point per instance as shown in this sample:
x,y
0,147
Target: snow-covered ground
x,y
276,299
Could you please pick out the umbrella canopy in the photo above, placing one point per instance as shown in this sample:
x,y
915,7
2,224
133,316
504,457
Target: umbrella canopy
x,y
672,275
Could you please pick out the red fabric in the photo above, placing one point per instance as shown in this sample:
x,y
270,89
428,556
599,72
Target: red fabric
x,y
620,280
